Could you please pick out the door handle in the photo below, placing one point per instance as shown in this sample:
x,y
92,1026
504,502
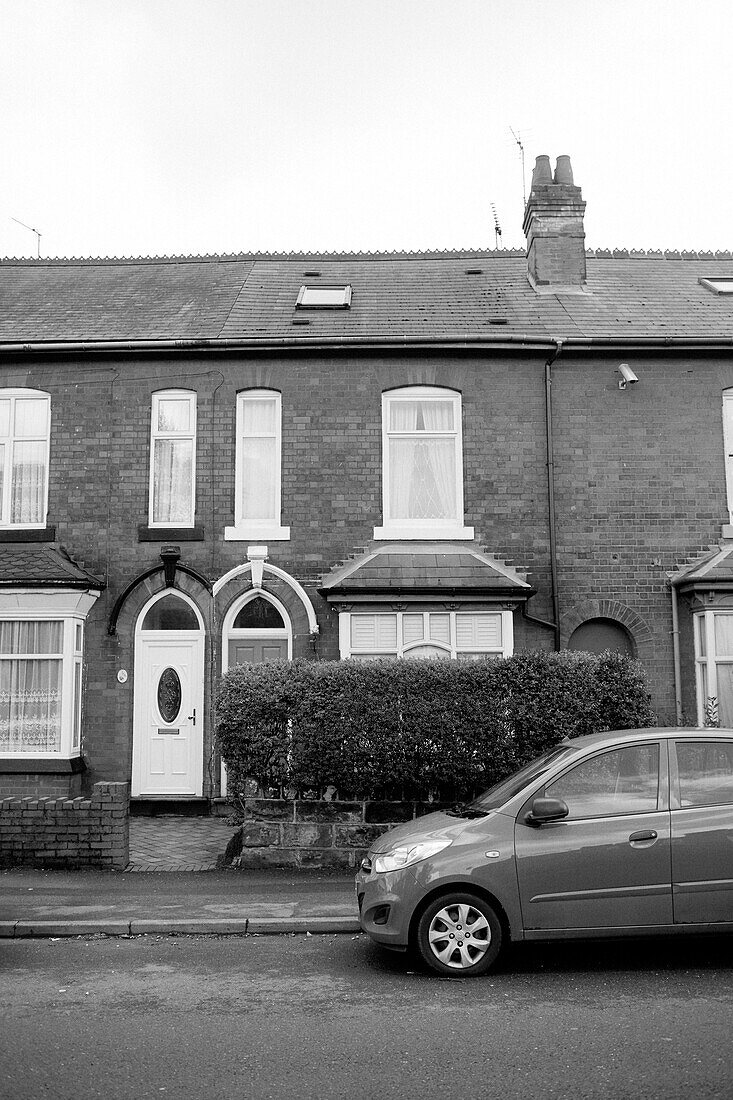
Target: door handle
x,y
645,834
192,718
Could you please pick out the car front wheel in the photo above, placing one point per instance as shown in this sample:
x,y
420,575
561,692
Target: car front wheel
x,y
459,935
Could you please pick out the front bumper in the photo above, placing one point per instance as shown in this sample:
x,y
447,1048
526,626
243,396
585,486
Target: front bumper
x,y
386,904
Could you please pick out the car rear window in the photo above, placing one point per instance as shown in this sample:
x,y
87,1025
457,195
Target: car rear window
x,y
706,772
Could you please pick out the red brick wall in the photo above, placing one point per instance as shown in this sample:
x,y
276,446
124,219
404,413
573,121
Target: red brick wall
x,y
67,833
639,483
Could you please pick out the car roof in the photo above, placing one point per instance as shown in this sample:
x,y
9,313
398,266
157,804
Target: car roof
x,y
646,733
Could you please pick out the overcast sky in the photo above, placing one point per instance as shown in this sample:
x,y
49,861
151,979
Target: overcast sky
x,y
159,127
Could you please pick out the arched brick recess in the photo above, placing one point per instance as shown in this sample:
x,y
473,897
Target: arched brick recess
x,y
641,635
133,605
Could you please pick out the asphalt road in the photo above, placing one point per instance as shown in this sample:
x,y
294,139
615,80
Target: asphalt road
x,y
332,1016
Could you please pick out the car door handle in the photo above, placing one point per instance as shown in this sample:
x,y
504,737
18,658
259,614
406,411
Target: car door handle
x,y
644,834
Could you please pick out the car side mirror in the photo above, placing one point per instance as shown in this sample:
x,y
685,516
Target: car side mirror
x,y
546,809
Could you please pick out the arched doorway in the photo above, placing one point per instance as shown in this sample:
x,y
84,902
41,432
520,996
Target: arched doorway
x,y
168,743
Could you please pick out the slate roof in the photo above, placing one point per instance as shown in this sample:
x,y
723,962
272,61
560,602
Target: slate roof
x,y
397,295
37,565
714,569
425,568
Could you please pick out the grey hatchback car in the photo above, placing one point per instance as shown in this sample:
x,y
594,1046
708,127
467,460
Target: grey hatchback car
x,y
624,833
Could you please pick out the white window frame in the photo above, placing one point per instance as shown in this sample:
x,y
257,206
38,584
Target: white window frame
x,y
728,444
244,528
71,608
399,527
324,296
402,649
720,284
707,663
157,435
9,441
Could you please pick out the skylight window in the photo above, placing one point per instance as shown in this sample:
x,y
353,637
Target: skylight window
x,y
718,286
324,297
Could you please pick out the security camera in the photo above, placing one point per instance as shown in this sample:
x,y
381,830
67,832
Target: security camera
x,y
628,378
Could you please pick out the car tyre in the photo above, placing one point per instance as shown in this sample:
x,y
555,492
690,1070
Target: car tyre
x,y
459,935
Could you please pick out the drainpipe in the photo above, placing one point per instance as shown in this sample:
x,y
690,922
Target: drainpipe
x,y
676,654
555,624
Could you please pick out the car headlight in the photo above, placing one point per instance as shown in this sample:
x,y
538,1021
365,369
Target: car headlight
x,y
403,855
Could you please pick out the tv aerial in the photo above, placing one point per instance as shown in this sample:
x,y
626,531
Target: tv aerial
x,y
38,235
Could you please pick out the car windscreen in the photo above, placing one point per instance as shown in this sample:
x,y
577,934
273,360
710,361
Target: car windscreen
x,y
501,792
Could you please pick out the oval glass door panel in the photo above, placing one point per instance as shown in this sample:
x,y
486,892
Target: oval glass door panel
x,y
169,694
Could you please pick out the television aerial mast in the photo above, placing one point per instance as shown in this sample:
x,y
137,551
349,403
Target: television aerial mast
x,y
518,140
497,227
38,235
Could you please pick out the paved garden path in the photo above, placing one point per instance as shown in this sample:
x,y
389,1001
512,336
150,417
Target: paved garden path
x,y
168,843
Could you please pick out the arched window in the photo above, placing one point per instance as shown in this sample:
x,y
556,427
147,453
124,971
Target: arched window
x,y
256,630
170,613
259,614
598,635
25,420
422,464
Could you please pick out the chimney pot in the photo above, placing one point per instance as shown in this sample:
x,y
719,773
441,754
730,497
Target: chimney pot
x,y
542,172
564,171
553,224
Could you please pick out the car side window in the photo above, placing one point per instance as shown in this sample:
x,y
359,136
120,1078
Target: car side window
x,y
706,772
623,781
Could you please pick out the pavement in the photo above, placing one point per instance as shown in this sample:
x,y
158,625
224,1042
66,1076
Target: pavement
x,y
180,899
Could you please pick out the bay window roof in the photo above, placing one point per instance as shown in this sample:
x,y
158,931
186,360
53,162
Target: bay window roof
x,y
33,566
441,570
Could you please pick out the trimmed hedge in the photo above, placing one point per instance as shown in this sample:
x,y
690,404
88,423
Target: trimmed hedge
x,y
415,729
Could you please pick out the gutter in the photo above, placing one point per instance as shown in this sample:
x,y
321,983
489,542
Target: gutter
x,y
469,340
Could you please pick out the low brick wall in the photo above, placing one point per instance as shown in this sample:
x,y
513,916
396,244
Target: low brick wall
x,y
67,833
284,833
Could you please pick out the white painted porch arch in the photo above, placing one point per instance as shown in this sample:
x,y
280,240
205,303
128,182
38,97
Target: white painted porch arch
x,y
291,582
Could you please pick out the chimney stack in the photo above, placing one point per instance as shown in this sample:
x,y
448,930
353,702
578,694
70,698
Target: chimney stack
x,y
553,226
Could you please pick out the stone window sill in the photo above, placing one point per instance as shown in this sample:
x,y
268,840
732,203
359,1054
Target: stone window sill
x,y
434,534
250,532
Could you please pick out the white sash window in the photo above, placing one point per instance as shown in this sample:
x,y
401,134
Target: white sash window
x,y
257,490
24,444
173,459
422,464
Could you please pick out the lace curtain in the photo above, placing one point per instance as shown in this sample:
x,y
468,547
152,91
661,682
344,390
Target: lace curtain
x,y
422,467
172,480
30,686
27,456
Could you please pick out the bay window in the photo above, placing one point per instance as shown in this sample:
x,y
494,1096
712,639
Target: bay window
x,y
462,635
714,666
422,464
41,656
173,459
24,451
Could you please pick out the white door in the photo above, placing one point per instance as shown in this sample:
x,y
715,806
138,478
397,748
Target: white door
x,y
168,746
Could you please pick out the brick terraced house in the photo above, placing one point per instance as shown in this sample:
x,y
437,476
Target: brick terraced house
x,y
243,458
